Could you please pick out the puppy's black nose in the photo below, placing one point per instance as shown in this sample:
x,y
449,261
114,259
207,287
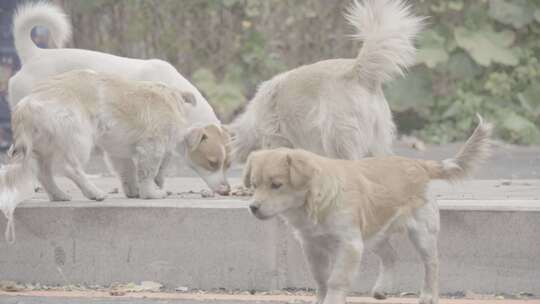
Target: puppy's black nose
x,y
253,208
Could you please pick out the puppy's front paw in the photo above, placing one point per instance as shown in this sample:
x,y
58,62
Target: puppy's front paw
x,y
98,196
59,197
154,194
428,299
379,295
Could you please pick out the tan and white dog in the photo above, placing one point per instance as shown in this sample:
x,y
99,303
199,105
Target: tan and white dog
x,y
336,107
40,64
339,207
139,124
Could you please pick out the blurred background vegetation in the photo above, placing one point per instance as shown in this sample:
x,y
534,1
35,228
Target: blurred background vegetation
x,y
475,56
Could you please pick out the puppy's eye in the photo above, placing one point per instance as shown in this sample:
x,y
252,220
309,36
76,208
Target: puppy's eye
x,y
276,186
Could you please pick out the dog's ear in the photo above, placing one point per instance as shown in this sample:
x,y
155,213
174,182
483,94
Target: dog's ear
x,y
194,138
227,131
246,175
189,98
301,169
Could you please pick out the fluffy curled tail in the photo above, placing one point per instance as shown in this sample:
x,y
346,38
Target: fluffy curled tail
x,y
34,14
16,177
473,153
387,29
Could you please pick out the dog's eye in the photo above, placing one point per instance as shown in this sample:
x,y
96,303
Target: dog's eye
x,y
214,164
276,186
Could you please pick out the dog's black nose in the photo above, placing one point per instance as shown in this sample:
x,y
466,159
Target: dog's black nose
x,y
253,208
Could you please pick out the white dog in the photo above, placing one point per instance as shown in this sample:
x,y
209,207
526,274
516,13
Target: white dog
x,y
137,123
335,108
338,207
39,64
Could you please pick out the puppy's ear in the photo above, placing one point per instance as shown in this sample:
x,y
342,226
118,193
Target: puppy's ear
x,y
189,98
194,138
301,169
246,175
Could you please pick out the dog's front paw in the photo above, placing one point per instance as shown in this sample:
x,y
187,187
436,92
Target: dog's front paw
x,y
154,194
98,196
59,197
428,299
379,295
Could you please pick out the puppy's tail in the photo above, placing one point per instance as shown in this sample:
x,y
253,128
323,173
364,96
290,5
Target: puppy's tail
x,y
43,14
17,175
387,29
474,152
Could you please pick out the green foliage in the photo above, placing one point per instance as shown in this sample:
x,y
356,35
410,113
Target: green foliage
x,y
475,57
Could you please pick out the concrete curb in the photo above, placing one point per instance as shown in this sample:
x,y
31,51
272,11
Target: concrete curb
x,y
488,243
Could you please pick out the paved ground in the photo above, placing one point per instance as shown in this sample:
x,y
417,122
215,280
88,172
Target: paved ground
x,y
188,298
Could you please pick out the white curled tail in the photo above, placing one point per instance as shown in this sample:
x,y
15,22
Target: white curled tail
x,y
387,29
473,153
43,14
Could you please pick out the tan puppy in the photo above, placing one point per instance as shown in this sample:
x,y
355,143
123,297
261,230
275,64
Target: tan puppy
x,y
138,124
337,207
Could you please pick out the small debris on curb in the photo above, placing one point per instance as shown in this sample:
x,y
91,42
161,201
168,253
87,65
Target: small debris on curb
x,y
117,293
10,286
181,289
114,191
207,193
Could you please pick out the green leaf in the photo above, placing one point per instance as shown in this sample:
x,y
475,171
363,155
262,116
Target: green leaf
x,y
461,66
518,129
517,13
456,5
530,98
486,46
411,92
432,49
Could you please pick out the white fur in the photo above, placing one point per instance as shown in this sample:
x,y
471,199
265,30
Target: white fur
x,y
39,64
64,118
335,108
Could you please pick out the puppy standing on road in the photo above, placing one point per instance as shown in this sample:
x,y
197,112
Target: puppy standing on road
x,y
137,123
335,108
338,207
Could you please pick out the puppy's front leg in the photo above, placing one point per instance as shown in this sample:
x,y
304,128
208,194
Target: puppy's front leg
x,y
347,261
148,157
127,172
319,263
160,177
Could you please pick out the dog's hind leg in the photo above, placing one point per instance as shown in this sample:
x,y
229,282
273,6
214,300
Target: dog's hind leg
x,y
46,179
76,155
148,158
423,229
387,260
74,171
127,172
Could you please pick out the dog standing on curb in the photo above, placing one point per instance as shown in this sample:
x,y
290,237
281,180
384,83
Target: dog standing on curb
x,y
338,207
207,139
335,108
137,123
